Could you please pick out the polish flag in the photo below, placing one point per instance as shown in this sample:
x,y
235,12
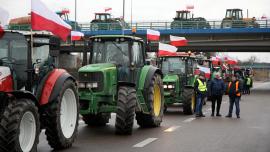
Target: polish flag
x,y
231,61
3,20
189,7
215,60
166,50
76,36
108,9
42,18
153,35
205,70
178,41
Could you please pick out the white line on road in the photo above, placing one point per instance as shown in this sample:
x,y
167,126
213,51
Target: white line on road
x,y
171,129
189,120
145,142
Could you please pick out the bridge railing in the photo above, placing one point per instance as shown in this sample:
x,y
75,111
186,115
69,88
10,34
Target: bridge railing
x,y
178,25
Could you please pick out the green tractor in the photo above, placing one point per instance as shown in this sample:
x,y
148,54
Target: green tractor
x,y
117,80
234,19
178,80
104,21
184,20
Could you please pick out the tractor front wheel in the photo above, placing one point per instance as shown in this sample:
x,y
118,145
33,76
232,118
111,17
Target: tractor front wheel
x,y
125,112
189,101
155,104
61,121
20,127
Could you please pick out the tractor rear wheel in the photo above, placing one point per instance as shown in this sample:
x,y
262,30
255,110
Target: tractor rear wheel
x,y
20,127
96,120
61,121
189,101
155,104
125,112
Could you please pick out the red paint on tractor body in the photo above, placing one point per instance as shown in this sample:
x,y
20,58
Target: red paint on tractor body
x,y
49,85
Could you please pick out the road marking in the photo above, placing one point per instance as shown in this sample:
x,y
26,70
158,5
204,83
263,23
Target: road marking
x,y
145,142
171,129
189,120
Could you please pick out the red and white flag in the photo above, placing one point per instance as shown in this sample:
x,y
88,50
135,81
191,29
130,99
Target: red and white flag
x,y
166,50
189,7
215,60
205,70
153,35
108,9
42,18
76,36
3,20
178,41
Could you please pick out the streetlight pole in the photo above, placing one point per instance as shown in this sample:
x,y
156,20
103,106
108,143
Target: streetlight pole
x,y
75,26
124,9
131,13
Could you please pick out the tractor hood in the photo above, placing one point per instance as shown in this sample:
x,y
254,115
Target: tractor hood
x,y
170,78
98,67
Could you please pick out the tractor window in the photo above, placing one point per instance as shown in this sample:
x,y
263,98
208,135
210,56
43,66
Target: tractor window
x,y
3,48
40,53
137,56
111,52
228,14
173,65
18,50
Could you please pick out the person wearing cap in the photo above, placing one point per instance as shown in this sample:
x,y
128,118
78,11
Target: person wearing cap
x,y
234,91
201,90
216,91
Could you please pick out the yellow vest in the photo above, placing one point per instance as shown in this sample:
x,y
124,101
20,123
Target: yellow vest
x,y
202,86
248,81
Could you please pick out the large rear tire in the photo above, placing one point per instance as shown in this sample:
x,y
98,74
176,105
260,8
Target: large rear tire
x,y
189,101
125,112
155,103
20,127
61,121
96,120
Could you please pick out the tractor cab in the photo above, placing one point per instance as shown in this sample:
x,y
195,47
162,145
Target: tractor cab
x,y
178,80
103,16
25,63
234,14
64,14
183,15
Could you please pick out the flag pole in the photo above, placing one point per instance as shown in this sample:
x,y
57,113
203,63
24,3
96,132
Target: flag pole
x,y
75,27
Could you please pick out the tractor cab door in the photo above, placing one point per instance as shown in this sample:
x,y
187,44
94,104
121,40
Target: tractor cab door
x,y
190,68
137,61
13,54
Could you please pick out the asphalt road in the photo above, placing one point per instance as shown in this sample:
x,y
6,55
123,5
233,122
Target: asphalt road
x,y
182,133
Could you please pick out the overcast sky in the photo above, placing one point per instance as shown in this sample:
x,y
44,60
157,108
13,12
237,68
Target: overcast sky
x,y
148,10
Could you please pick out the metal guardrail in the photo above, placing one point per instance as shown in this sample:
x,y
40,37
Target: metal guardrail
x,y
181,25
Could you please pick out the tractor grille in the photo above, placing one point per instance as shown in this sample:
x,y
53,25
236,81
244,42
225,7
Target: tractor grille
x,y
92,77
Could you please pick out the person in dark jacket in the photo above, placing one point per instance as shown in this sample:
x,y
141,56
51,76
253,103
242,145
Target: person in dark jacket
x,y
234,91
217,89
201,90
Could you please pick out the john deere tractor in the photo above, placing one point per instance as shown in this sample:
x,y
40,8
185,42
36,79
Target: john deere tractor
x,y
184,20
34,94
234,19
104,21
179,80
117,80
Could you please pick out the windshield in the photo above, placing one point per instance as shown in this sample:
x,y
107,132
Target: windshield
x,y
173,65
111,52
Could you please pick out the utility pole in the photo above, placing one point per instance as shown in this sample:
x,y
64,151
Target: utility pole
x,y
131,13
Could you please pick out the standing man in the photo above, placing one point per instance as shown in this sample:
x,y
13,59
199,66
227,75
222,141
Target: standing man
x,y
217,88
248,84
201,90
234,92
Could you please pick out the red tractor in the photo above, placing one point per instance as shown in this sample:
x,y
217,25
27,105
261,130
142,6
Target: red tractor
x,y
34,95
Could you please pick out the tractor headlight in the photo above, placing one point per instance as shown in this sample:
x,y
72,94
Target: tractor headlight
x,y
170,86
165,86
81,85
92,85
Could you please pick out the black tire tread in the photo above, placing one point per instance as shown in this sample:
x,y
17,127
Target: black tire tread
x,y
187,99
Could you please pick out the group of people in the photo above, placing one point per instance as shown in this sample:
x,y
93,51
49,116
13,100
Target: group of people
x,y
215,92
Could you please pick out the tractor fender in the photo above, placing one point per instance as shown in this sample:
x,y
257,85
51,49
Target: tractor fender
x,y
52,85
24,94
146,75
152,70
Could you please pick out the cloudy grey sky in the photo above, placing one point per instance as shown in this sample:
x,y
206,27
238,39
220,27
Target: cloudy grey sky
x,y
150,10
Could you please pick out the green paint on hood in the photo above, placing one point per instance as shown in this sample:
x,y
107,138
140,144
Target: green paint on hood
x,y
97,67
170,78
